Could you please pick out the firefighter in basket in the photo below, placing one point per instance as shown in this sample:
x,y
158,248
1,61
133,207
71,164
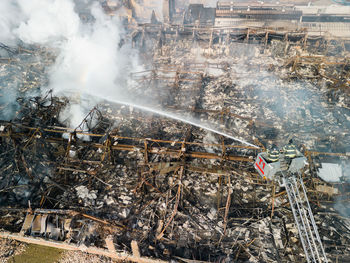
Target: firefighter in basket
x,y
290,151
273,154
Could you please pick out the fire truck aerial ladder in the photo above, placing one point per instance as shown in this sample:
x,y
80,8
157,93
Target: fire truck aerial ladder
x,y
287,172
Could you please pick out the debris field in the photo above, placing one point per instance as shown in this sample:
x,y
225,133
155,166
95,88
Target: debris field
x,y
128,184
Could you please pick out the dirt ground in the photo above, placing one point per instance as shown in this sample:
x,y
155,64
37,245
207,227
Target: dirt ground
x,y
17,252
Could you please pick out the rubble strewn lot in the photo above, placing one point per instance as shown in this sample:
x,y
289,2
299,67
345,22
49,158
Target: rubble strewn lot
x,y
10,249
176,189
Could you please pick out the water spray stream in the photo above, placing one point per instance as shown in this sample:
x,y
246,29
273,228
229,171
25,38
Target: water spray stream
x,y
175,117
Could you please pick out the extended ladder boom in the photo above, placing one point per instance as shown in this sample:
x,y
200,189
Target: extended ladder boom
x,y
286,171
304,218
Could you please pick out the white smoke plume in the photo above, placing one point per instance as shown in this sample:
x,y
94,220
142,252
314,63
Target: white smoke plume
x,y
9,13
89,59
47,21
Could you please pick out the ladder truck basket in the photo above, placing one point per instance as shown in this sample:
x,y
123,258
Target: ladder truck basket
x,y
269,170
265,168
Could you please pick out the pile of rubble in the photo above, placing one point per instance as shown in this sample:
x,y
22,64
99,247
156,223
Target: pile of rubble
x,y
170,187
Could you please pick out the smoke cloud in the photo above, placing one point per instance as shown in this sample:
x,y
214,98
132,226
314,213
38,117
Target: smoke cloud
x,y
89,57
47,21
9,21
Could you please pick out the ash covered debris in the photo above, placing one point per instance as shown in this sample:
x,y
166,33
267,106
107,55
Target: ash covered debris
x,y
141,192
23,71
182,193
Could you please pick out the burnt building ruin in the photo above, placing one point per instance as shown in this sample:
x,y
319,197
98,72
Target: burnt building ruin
x,y
168,175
